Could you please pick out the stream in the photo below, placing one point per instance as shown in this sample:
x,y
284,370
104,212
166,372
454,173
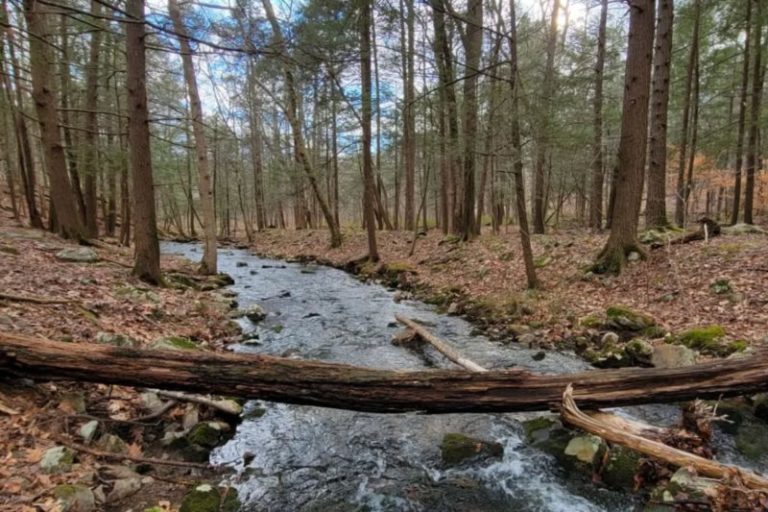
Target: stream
x,y
316,459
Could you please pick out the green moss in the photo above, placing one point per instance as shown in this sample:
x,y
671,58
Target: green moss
x,y
591,322
721,287
738,346
532,427
175,343
451,239
398,267
752,441
458,448
206,498
277,328
542,261
205,434
704,339
620,468
64,491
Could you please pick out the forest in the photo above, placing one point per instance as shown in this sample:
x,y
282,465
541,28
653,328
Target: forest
x,y
383,255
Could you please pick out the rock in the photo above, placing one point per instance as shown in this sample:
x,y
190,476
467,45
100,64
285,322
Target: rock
x,y
539,356
88,431
761,406
404,337
206,434
151,401
458,448
633,257
139,295
742,229
752,441
191,417
174,343
527,339
255,313
57,460
704,339
117,340
620,468
690,486
241,264
624,319
73,402
586,449
74,498
454,308
400,296
536,429
111,443
639,351
124,487
78,255
609,339
672,356
206,498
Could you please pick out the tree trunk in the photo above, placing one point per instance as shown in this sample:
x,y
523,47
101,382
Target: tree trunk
x,y
598,171
655,205
754,125
539,202
742,117
208,265
517,147
146,247
473,45
341,386
409,118
91,167
44,94
692,57
365,78
633,141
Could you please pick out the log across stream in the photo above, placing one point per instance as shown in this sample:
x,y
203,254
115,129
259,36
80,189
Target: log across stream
x,y
303,457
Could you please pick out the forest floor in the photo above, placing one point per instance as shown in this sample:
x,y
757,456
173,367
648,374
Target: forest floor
x,y
485,279
105,304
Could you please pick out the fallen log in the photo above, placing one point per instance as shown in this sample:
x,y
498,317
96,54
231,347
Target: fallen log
x,y
348,387
441,346
704,467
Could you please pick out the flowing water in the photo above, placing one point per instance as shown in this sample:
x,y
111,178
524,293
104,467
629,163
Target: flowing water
x,y
316,459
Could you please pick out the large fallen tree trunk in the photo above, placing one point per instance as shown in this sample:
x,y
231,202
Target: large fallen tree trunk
x,y
349,387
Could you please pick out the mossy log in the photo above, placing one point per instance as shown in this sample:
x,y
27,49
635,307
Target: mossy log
x,y
363,389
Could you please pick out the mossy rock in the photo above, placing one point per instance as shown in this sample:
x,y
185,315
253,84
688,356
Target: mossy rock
x,y
639,352
743,229
586,449
206,434
188,451
542,261
207,498
620,468
591,322
623,318
111,443
458,448
536,429
136,294
74,498
707,340
174,343
752,441
117,340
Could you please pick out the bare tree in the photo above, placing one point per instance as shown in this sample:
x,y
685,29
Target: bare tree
x,y
208,263
754,124
742,116
365,75
596,191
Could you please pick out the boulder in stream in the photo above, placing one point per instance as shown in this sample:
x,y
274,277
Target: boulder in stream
x,y
458,448
207,498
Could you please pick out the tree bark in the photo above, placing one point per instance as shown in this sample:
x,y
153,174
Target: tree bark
x,y
692,57
754,125
146,246
354,388
365,76
655,205
632,144
742,117
598,173
208,265
44,93
91,167
409,119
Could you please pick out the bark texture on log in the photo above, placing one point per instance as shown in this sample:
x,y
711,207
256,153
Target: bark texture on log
x,y
349,387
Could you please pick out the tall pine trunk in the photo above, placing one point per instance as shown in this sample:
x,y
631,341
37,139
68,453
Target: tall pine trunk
x,y
753,146
742,116
365,76
598,173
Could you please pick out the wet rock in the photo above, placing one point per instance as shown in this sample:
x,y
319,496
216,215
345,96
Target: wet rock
x,y
537,429
207,434
241,264
685,486
404,337
206,498
117,340
174,343
400,296
111,443
78,255
57,460
88,431
539,356
761,406
74,498
608,339
528,339
311,315
672,356
752,441
458,448
586,449
620,468
454,308
255,313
